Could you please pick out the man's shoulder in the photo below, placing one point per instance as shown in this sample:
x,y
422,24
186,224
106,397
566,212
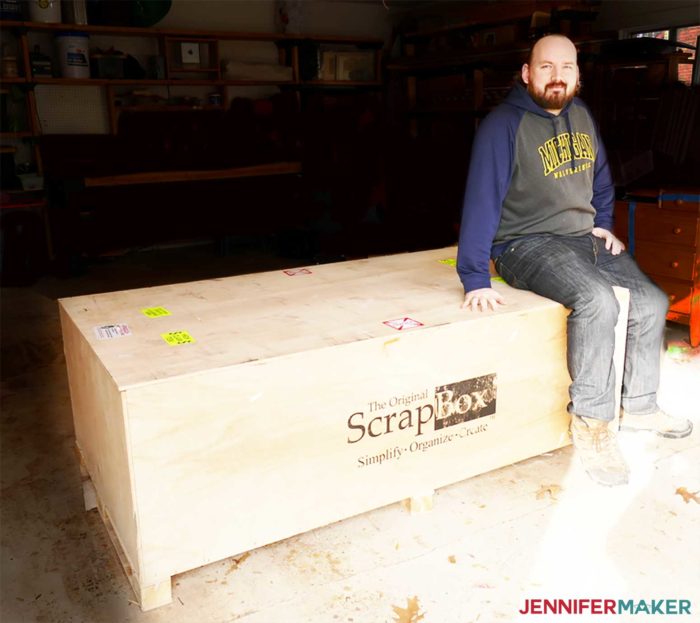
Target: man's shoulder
x,y
502,118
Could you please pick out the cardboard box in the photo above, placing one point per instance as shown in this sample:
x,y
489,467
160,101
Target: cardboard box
x,y
218,416
109,66
328,65
355,66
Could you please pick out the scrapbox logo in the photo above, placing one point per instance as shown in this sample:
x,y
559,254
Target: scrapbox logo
x,y
465,401
426,411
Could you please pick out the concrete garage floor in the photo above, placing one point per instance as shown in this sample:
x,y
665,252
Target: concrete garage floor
x,y
537,529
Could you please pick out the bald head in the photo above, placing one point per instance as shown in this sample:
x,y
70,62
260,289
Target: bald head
x,y
546,42
551,74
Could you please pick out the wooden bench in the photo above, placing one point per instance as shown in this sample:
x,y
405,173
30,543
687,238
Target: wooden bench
x,y
218,416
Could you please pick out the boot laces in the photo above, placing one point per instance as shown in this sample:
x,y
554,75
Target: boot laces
x,y
601,438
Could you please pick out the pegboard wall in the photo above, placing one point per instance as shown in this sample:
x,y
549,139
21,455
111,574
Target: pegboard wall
x,y
72,110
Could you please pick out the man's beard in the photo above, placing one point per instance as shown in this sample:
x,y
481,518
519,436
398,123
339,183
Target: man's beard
x,y
552,101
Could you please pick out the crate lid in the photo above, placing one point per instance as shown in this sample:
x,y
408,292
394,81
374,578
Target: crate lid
x,y
152,334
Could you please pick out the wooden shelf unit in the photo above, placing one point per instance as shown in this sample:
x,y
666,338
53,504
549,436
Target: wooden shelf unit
x,y
180,74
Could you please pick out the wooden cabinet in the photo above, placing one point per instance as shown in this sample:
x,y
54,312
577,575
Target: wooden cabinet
x,y
662,231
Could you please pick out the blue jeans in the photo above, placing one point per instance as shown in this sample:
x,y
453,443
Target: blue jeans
x,y
578,272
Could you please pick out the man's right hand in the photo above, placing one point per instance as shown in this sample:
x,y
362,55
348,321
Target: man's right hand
x,y
482,299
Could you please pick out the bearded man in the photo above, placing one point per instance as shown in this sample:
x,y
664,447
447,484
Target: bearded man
x,y
539,202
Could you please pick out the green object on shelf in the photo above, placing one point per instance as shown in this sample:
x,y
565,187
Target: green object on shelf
x,y
149,12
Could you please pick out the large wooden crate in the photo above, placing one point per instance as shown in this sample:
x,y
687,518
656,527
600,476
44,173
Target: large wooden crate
x,y
301,398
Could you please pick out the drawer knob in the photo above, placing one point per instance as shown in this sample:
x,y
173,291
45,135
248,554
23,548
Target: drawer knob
x,y
671,297
677,230
674,264
679,202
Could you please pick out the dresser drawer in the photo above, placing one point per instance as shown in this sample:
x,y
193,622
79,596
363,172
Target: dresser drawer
x,y
679,294
681,201
656,225
660,260
665,226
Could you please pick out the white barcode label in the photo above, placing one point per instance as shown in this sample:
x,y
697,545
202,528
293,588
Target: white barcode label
x,y
111,331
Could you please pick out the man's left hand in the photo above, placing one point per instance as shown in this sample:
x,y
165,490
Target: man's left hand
x,y
612,244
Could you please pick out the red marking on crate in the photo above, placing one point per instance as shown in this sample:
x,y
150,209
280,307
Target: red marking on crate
x,y
401,324
297,271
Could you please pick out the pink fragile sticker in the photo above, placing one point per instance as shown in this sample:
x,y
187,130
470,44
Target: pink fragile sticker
x,y
297,271
401,324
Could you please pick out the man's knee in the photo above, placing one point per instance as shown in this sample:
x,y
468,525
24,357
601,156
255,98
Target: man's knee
x,y
660,301
653,303
599,301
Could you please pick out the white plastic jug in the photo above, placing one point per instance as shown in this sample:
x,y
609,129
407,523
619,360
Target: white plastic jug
x,y
73,54
46,11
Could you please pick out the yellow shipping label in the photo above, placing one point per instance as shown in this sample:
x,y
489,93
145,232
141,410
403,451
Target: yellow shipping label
x,y
155,312
175,338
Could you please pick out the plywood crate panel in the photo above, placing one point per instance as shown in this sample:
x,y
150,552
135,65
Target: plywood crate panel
x,y
296,405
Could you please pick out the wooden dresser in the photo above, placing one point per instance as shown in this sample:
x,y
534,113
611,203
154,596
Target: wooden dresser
x,y
661,228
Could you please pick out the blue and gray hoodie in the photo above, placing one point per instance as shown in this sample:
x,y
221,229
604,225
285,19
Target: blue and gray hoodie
x,y
531,173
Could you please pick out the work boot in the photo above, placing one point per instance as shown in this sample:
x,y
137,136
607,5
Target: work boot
x,y
597,447
659,422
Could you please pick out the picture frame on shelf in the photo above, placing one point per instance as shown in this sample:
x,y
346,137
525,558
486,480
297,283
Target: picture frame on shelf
x,y
189,53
